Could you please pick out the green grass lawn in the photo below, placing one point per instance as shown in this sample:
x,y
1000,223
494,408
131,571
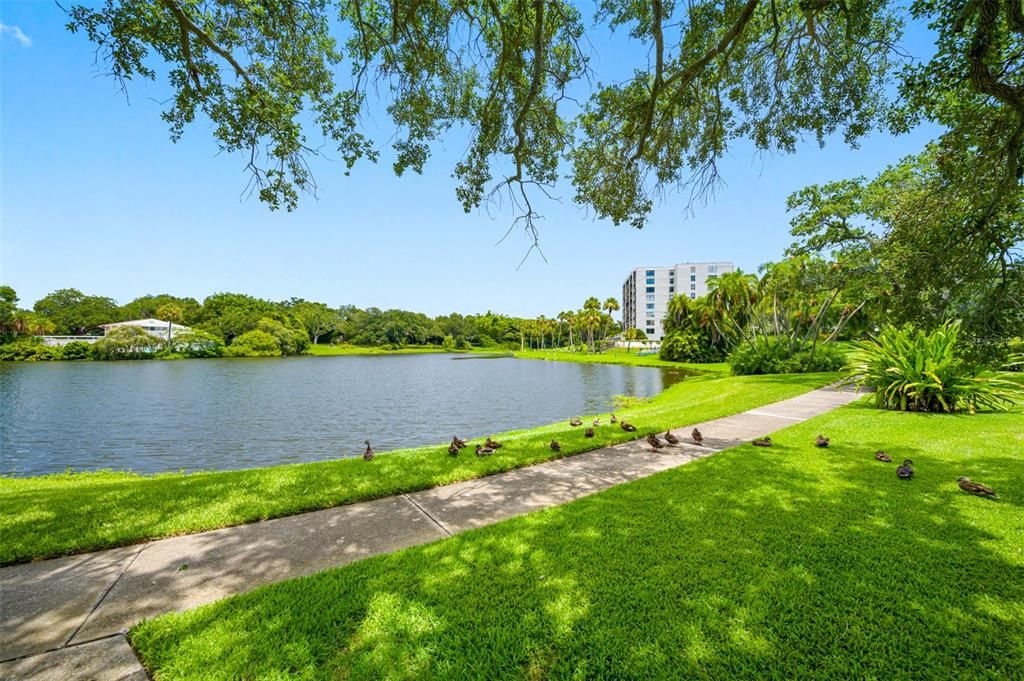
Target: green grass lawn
x,y
337,350
620,356
68,513
782,563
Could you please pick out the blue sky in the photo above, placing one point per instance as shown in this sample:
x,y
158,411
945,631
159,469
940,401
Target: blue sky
x,y
96,197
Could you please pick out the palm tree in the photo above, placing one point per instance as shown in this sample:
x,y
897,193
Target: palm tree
x,y
633,334
610,305
734,296
590,319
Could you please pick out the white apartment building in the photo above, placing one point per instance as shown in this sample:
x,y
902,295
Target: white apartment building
x,y
647,290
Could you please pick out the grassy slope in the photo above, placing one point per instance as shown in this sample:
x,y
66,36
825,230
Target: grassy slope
x,y
792,562
619,356
67,513
336,350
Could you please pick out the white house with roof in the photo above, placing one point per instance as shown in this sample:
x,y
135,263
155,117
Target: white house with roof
x,y
156,327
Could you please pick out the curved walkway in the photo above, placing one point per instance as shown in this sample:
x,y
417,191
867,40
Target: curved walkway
x,y
66,618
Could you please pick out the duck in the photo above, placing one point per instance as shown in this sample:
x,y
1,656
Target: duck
x,y
589,432
555,447
881,455
654,442
905,471
670,438
765,441
368,454
575,422
976,488
453,449
597,422
628,427
492,444
821,441
612,419
484,451
458,442
697,436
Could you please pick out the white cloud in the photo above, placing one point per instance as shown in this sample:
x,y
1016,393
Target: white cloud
x,y
17,34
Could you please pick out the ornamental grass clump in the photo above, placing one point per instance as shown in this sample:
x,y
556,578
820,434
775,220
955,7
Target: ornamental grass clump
x,y
914,370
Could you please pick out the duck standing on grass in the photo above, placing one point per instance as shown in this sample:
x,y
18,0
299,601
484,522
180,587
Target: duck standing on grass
x,y
453,449
612,419
882,456
821,441
589,432
458,442
555,447
597,422
368,454
670,438
905,470
575,422
697,437
492,444
765,441
654,442
976,488
628,427
484,451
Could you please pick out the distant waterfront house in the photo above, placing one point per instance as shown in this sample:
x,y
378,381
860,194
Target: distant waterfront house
x,y
155,327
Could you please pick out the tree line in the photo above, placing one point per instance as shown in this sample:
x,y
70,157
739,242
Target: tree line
x,y
246,325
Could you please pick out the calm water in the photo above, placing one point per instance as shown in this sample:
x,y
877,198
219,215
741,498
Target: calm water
x,y
223,414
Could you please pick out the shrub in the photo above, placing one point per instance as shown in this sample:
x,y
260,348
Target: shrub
x,y
254,343
46,353
781,355
20,350
126,342
195,343
912,370
77,350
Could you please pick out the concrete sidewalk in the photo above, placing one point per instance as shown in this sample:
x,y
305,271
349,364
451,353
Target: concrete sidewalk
x,y
66,618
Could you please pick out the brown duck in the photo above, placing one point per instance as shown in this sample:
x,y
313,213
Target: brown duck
x,y
458,442
763,442
589,432
368,454
881,455
492,444
976,488
821,441
654,442
484,451
628,427
597,422
575,422
905,470
453,449
555,447
670,438
697,436
613,419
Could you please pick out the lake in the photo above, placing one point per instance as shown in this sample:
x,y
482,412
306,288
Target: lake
x,y
220,414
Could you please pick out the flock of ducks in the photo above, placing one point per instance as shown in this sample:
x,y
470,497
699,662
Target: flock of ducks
x,y
905,471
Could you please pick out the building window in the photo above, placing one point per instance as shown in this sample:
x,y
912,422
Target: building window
x,y
650,289
693,295
650,306
650,297
671,289
693,269
693,287
650,280
650,314
650,273
712,268
693,277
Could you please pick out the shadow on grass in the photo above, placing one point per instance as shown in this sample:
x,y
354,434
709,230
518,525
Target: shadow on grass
x,y
792,562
